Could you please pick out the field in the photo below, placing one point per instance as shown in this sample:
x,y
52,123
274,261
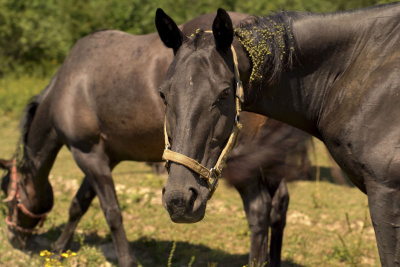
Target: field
x,y
328,225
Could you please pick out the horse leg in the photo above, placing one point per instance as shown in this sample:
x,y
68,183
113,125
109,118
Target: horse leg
x,y
384,206
257,205
280,204
96,166
78,208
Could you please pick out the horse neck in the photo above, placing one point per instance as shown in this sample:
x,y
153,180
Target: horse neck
x,y
324,39
326,46
40,151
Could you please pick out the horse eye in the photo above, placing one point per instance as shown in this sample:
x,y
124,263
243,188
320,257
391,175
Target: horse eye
x,y
224,94
163,97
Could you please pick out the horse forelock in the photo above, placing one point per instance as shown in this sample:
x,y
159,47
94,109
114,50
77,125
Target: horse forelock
x,y
197,39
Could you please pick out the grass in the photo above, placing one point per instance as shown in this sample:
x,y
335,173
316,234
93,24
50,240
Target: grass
x,y
332,229
16,91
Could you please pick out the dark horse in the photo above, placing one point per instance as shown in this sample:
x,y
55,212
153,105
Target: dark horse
x,y
335,76
104,105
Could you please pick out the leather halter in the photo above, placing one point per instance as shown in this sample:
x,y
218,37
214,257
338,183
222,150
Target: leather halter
x,y
13,194
211,176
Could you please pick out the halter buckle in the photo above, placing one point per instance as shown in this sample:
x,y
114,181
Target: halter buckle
x,y
215,177
238,85
166,163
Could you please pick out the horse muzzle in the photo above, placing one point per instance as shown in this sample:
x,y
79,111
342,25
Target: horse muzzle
x,y
184,205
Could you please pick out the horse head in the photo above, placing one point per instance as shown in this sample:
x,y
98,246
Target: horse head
x,y
20,220
199,91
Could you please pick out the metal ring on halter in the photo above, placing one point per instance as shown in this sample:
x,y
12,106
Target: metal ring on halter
x,y
216,176
239,84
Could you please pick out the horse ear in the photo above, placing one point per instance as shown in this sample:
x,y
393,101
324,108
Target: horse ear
x,y
222,30
168,31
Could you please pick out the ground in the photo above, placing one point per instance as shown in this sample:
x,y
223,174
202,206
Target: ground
x,y
328,224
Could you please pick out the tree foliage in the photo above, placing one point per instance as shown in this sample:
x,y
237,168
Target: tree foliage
x,y
37,34
31,34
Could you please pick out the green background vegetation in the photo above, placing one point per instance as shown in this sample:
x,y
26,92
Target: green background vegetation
x,y
36,35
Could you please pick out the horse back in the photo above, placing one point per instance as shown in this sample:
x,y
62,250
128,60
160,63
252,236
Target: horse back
x,y
107,91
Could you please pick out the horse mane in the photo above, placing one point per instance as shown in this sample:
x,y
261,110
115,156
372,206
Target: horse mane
x,y
25,124
373,7
270,44
268,41
99,30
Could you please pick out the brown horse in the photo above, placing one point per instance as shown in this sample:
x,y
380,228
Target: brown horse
x,y
335,76
103,104
256,167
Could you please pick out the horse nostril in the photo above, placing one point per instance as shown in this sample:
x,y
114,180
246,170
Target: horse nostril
x,y
193,197
163,199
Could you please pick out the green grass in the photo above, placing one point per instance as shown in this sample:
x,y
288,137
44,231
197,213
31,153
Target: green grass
x,y
311,236
15,92
332,233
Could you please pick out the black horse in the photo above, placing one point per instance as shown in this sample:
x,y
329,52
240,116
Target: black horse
x,y
103,104
335,76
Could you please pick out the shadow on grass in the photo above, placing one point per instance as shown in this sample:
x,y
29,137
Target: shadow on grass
x,y
152,252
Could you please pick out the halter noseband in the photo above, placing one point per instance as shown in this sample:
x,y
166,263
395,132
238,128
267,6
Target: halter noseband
x,y
13,194
210,175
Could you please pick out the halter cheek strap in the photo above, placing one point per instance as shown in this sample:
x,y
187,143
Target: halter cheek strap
x,y
210,175
13,193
